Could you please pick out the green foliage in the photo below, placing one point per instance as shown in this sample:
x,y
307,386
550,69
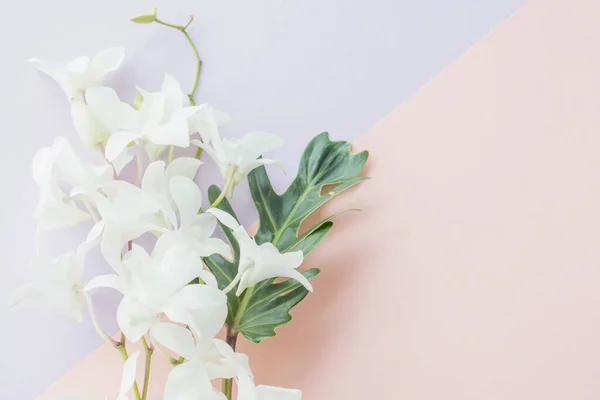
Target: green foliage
x,y
323,163
266,306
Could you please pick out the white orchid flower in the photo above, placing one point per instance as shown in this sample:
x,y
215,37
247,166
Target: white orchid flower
x,y
186,382
99,117
211,355
59,287
126,214
75,78
237,157
155,286
161,121
82,73
176,192
54,167
207,359
259,262
127,380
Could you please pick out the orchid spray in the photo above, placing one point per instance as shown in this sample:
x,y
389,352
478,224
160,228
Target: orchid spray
x,y
193,285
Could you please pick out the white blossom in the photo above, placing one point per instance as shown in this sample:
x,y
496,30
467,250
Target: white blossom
x,y
177,194
168,297
153,286
237,157
82,73
59,287
161,121
207,358
125,214
57,166
260,262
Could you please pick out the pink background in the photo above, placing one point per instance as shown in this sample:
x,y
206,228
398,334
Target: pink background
x,y
473,270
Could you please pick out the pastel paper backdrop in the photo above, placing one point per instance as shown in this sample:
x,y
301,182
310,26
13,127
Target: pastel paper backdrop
x,y
275,65
473,270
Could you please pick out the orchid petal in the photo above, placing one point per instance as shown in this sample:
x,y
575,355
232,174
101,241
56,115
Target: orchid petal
x,y
174,133
257,143
129,373
106,61
185,166
88,128
182,265
134,318
202,307
78,65
187,197
122,161
54,296
188,381
110,111
171,89
118,143
225,218
175,338
112,281
154,177
56,72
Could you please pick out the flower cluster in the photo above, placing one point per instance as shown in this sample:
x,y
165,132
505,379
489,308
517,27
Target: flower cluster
x,y
170,301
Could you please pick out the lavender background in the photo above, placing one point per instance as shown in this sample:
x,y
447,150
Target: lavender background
x,y
291,67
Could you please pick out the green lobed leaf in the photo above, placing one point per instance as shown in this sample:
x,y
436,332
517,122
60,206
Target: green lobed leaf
x,y
267,305
323,163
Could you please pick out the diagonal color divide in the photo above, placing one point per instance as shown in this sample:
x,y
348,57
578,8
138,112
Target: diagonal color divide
x,y
475,273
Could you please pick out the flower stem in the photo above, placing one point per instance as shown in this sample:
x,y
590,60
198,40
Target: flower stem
x,y
227,385
123,352
192,95
228,188
183,29
242,308
149,352
219,199
171,154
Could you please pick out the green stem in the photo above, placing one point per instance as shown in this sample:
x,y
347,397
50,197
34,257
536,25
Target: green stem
x,y
219,199
123,351
178,27
183,29
192,95
171,154
227,188
242,309
198,152
227,385
149,352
